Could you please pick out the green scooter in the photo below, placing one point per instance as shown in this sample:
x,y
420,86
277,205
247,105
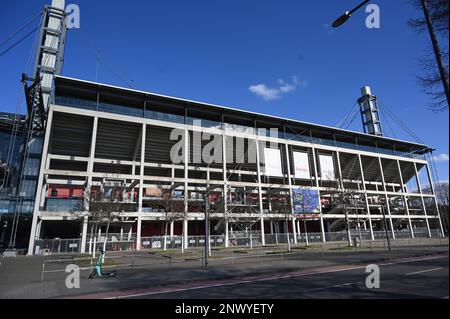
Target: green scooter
x,y
97,271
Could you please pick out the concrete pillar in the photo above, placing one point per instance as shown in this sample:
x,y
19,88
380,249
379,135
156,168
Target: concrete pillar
x,y
226,234
141,187
263,235
271,227
322,228
130,233
38,228
38,205
294,231
405,199
186,192
185,233
422,200
261,210
291,199
366,200
388,207
171,228
84,235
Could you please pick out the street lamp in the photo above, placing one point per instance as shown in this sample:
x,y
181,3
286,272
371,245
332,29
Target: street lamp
x,y
343,18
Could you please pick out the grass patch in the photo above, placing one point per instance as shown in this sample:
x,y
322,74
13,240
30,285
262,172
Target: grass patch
x,y
342,248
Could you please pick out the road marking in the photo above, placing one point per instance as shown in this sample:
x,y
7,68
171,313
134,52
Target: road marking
x,y
423,271
238,282
334,286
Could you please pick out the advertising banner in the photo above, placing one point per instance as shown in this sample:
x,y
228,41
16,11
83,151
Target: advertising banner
x,y
306,203
272,162
327,167
301,165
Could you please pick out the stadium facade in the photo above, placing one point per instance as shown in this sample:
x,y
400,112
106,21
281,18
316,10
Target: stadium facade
x,y
169,150
160,162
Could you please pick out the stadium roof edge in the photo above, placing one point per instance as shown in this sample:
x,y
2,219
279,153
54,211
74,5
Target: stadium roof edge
x,y
215,106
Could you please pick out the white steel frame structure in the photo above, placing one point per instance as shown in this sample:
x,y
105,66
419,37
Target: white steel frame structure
x,y
94,129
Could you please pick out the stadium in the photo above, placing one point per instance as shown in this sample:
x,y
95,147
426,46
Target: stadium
x,y
92,160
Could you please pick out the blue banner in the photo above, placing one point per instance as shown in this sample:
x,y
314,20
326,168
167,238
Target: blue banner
x,y
306,201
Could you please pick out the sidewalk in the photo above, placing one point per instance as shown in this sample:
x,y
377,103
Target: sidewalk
x,y
21,277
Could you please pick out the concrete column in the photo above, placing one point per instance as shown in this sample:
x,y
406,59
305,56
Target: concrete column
x,y
171,228
405,199
130,233
294,231
291,199
186,176
322,228
141,187
422,200
185,233
226,234
271,227
38,228
388,207
225,187
261,210
366,200
38,205
84,235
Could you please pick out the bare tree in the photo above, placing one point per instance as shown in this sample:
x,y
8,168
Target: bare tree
x,y
443,200
104,204
281,204
173,209
435,64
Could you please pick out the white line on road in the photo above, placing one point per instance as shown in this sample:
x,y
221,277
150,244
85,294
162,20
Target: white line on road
x,y
206,286
334,286
422,271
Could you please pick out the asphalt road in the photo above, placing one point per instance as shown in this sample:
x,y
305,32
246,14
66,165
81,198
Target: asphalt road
x,y
425,277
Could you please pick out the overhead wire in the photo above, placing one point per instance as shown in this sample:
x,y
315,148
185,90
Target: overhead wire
x,y
401,124
20,29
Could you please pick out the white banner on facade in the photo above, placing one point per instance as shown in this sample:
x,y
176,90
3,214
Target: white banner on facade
x,y
327,167
301,165
272,162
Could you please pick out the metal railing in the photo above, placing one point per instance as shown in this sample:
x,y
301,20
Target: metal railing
x,y
65,246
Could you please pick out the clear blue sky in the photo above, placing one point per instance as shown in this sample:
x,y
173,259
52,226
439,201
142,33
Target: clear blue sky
x,y
226,52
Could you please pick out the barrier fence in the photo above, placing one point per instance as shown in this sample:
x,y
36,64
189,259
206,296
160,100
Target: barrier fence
x,y
65,246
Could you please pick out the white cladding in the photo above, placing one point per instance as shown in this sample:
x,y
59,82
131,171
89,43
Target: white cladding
x,y
327,167
272,162
301,165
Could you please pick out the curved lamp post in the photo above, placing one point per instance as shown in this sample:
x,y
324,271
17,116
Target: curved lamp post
x,y
343,18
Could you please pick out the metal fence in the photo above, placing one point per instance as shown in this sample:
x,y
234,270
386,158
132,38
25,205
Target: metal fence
x,y
57,246
61,246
